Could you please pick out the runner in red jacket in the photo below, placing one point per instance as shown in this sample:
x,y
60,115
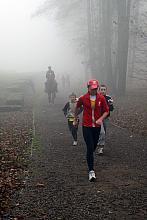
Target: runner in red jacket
x,y
95,110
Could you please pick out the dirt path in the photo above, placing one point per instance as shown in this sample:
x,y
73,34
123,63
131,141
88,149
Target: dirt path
x,y
58,188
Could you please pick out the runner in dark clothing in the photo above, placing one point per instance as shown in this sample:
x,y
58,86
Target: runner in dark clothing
x,y
102,138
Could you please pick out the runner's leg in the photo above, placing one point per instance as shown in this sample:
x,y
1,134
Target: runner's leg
x,y
96,133
88,137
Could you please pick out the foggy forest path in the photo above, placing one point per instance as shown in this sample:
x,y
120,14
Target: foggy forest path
x,y
57,186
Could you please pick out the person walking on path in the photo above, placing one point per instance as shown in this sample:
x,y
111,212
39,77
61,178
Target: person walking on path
x,y
102,138
95,110
69,110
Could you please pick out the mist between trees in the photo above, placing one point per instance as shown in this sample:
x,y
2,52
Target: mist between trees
x,y
111,36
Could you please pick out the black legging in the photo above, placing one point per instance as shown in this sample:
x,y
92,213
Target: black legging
x,y
73,130
91,136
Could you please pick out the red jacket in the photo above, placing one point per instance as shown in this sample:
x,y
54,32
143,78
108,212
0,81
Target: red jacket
x,y
100,107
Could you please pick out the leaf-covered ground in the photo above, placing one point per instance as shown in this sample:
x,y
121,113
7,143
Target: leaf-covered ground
x,y
131,112
56,184
15,139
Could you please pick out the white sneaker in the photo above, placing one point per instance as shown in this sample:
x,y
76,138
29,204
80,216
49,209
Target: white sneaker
x,y
75,143
92,176
100,151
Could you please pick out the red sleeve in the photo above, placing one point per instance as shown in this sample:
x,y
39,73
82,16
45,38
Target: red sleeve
x,y
80,102
104,105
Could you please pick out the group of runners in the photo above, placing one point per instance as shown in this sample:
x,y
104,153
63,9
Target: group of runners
x,y
96,105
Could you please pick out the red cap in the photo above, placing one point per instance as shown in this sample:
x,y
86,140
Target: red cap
x,y
93,83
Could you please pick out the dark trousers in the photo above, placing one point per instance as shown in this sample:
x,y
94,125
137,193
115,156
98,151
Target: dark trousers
x,y
91,137
73,130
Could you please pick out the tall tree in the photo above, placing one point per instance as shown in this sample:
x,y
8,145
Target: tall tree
x,y
123,41
104,34
107,25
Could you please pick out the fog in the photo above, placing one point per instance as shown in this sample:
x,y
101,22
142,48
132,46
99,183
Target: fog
x,y
85,39
31,44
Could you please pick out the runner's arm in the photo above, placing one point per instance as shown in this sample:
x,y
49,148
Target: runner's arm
x,y
65,109
78,109
105,109
111,107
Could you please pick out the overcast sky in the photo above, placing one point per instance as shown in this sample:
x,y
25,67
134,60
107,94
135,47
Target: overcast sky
x,y
31,44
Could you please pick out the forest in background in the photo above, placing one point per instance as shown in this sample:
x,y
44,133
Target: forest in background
x,y
110,35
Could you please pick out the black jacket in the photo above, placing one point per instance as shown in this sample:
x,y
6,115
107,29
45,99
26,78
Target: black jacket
x,y
109,101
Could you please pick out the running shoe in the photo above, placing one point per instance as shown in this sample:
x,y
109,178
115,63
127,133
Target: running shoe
x,y
92,176
75,143
100,151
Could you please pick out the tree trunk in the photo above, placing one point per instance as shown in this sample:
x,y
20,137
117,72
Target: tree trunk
x,y
133,40
123,41
90,39
107,25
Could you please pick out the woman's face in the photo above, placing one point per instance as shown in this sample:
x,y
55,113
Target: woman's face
x,y
92,91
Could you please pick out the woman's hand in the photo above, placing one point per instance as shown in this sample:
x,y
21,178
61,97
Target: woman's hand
x,y
99,121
